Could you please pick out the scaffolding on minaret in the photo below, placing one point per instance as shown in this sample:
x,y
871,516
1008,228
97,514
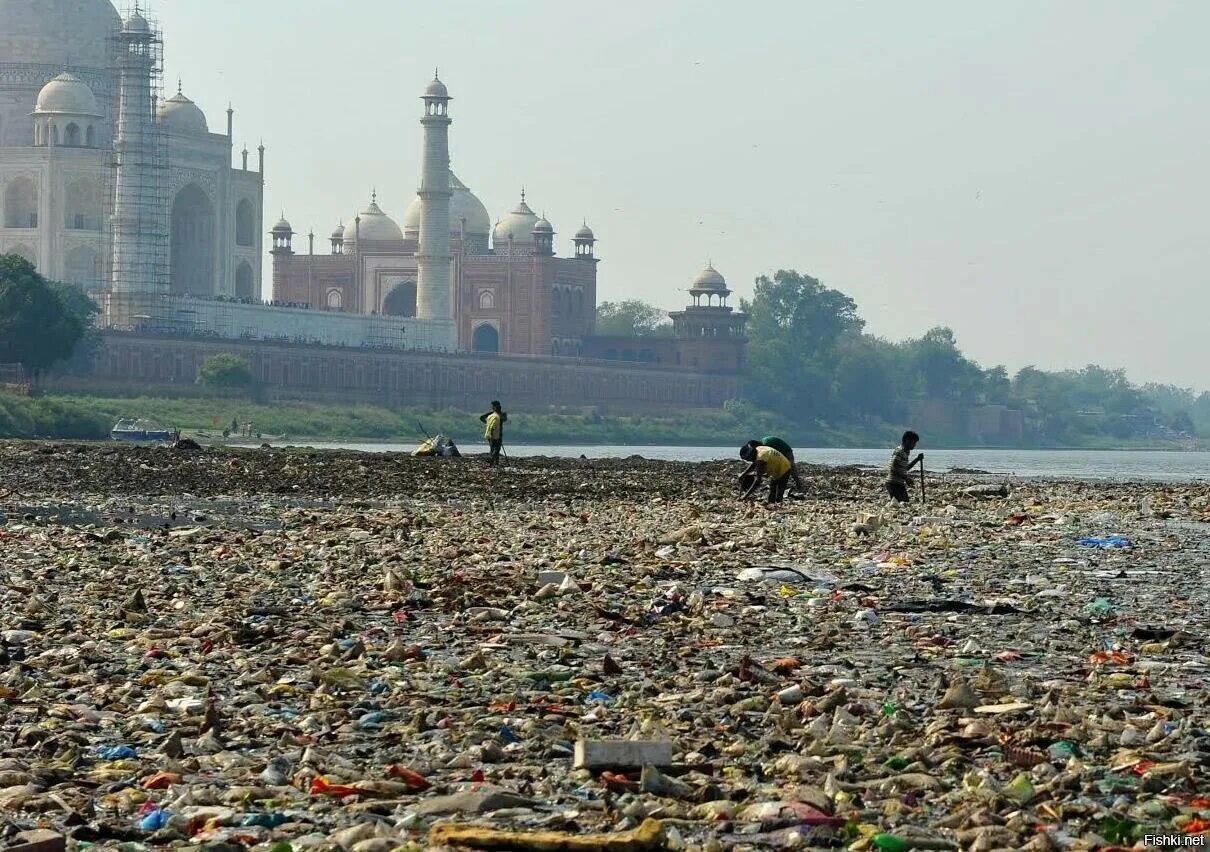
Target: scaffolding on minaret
x,y
138,269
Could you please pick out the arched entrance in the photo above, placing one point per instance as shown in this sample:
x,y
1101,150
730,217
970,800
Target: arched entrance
x,y
486,339
243,281
192,242
401,301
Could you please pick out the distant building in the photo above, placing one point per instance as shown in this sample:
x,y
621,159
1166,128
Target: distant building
x,y
107,183
64,68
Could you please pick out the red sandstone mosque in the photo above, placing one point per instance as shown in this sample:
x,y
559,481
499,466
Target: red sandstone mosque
x,y
107,184
512,293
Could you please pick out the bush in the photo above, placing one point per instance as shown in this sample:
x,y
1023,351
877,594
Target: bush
x,y
225,371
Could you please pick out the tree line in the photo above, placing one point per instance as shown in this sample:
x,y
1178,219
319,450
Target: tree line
x,y
811,359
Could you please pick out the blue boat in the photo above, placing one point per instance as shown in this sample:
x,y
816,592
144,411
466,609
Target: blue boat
x,y
142,431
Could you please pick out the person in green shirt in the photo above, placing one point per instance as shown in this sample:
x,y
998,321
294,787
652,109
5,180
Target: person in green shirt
x,y
787,451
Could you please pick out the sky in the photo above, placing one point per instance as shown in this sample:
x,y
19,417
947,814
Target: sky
x,y
1032,174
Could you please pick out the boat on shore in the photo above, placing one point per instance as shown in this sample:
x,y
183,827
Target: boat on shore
x,y
142,431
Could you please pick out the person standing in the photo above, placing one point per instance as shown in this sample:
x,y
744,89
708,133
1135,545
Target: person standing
x,y
765,461
898,479
493,431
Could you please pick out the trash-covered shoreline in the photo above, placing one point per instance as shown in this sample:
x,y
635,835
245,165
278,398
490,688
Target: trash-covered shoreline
x,y
328,650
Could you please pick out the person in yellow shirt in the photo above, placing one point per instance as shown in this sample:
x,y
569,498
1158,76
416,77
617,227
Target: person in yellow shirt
x,y
493,431
765,461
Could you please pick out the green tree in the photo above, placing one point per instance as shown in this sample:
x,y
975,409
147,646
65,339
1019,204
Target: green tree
x,y
225,370
632,318
868,378
794,324
40,322
84,309
945,371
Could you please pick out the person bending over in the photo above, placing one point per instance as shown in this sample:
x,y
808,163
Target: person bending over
x,y
765,461
787,451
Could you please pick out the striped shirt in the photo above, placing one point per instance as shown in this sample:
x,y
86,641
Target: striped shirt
x,y
897,470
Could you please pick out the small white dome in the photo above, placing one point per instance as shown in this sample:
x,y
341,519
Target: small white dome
x,y
339,232
709,279
518,224
585,233
542,226
282,225
436,89
136,23
373,225
67,94
181,115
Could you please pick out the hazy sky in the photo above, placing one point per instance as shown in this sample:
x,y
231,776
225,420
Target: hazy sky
x,y
1033,174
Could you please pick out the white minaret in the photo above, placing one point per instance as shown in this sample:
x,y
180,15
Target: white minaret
x,y
434,259
139,229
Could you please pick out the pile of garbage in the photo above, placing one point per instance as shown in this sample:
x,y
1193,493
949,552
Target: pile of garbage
x,y
291,650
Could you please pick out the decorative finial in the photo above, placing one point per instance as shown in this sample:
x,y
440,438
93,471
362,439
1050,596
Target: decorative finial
x,y
178,85
374,195
435,77
522,195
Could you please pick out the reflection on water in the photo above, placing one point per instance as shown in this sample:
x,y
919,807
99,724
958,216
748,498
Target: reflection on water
x,y
1083,464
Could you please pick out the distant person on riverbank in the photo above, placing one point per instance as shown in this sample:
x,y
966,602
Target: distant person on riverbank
x,y
787,451
765,461
898,479
493,431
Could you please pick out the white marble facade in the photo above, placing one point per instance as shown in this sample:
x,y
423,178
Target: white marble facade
x,y
58,108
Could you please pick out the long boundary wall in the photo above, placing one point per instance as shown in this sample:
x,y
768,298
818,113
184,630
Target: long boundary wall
x,y
132,361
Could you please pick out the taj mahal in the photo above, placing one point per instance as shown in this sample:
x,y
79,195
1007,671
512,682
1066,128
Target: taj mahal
x,y
113,183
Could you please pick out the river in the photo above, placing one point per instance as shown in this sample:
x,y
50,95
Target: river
x,y
1156,465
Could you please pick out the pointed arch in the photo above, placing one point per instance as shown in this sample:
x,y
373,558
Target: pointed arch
x,y
244,283
21,203
193,242
486,338
245,227
83,211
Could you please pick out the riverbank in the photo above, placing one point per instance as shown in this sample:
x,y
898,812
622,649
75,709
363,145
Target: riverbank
x,y
85,417
348,649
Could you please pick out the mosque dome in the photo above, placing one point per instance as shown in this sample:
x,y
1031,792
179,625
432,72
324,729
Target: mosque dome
x,y
339,232
282,226
518,223
374,225
585,233
136,23
181,115
709,279
68,94
66,33
464,204
436,89
542,226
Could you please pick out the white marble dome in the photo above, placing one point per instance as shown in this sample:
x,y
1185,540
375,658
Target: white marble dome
x,y
709,279
67,94
464,204
585,233
67,33
181,115
374,225
518,223
437,89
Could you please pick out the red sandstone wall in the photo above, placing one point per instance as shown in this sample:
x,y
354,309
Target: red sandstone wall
x,y
398,378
